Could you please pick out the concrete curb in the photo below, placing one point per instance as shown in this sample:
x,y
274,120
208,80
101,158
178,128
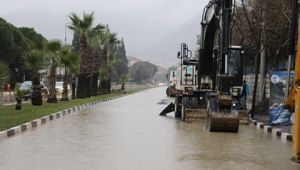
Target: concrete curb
x,y
273,131
45,119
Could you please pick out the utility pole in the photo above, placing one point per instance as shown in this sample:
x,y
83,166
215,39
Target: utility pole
x,y
262,69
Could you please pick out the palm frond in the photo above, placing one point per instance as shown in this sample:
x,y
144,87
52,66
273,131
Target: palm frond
x,y
75,21
54,48
113,38
87,21
70,60
100,27
35,60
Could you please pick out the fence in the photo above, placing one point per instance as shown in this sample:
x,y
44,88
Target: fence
x,y
250,79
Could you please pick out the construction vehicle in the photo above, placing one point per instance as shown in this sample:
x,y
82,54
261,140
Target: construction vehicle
x,y
222,62
186,82
171,91
186,88
219,62
190,102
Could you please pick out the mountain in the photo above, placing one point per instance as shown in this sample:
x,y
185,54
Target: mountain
x,y
170,45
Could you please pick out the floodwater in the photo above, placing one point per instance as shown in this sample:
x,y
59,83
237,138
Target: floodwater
x,y
128,134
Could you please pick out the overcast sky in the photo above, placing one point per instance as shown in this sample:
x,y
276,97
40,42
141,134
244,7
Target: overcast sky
x,y
152,29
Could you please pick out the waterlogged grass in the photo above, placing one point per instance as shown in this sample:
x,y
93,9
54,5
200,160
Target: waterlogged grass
x,y
9,117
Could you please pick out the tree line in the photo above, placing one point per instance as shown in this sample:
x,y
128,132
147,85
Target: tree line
x,y
263,26
96,57
143,72
98,49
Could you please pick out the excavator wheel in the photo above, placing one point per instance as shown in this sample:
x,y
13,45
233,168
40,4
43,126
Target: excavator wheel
x,y
168,92
177,109
182,112
220,122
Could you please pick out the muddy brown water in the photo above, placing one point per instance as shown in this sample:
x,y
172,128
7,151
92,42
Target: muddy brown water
x,y
128,134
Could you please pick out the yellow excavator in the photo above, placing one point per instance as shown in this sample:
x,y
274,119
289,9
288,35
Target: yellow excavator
x,y
293,99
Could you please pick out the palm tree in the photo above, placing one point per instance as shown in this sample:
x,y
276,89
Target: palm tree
x,y
108,43
35,61
82,28
96,36
70,61
53,48
110,63
4,72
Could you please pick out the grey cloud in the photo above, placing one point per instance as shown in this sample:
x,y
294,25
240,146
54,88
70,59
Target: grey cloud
x,y
152,29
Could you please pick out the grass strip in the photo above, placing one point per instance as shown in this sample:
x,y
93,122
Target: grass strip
x,y
9,117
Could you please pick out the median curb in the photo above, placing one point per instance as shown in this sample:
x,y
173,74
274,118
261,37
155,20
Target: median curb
x,y
48,118
273,131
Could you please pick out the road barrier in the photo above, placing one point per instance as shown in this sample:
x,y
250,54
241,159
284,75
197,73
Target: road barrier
x,y
273,131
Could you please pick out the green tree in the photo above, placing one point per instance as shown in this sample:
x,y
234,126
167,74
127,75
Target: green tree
x,y
13,48
37,40
70,61
82,28
35,60
120,66
143,72
109,42
96,37
15,44
53,53
104,43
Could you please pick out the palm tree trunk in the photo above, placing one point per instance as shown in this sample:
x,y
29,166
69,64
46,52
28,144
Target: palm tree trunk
x,y
52,91
81,87
65,87
109,81
36,97
88,85
108,85
94,84
105,89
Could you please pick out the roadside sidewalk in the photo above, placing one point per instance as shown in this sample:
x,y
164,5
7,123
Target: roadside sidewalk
x,y
261,120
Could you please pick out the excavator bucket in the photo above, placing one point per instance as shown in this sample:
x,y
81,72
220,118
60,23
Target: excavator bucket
x,y
168,109
220,122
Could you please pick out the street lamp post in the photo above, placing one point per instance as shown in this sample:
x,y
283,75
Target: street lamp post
x,y
66,24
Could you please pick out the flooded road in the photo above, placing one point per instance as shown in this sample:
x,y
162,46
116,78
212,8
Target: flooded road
x,y
128,134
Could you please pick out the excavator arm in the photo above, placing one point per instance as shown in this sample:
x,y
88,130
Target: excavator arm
x,y
215,31
215,56
215,39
